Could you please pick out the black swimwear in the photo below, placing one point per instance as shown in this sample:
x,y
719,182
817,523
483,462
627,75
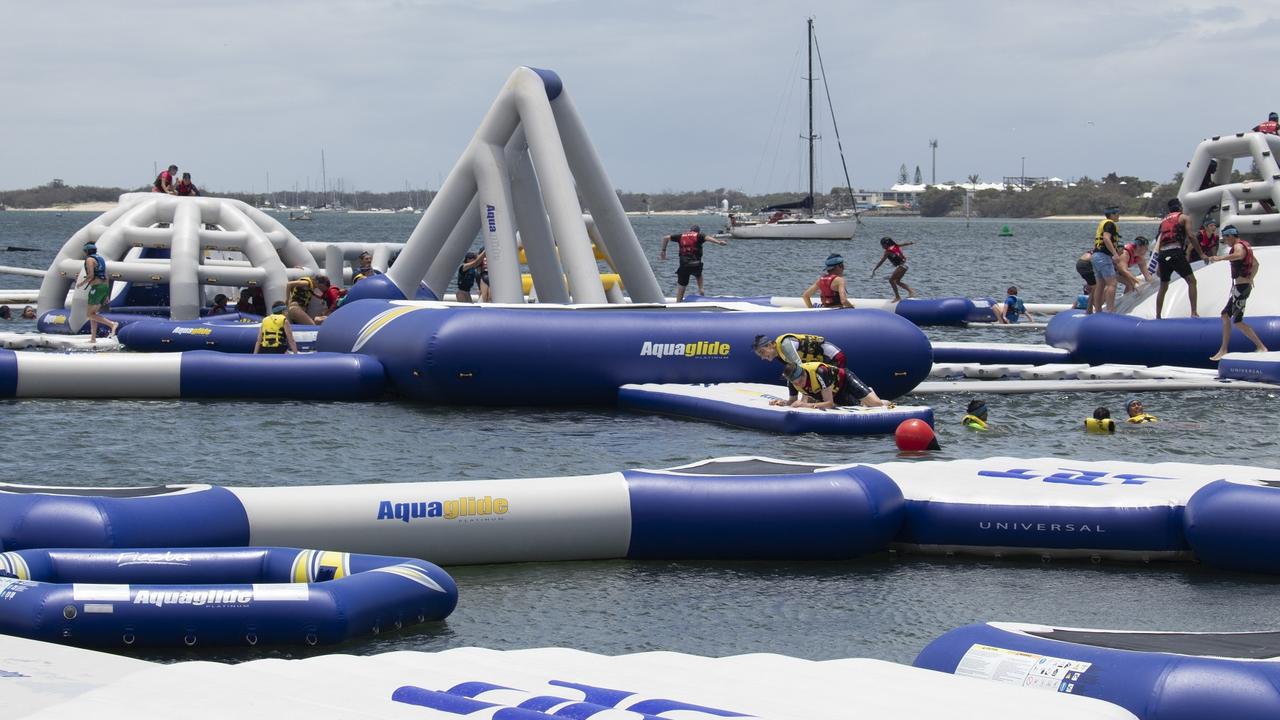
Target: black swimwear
x,y
1084,267
686,270
1174,259
1236,303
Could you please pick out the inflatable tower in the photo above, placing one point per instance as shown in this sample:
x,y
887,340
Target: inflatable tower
x,y
518,185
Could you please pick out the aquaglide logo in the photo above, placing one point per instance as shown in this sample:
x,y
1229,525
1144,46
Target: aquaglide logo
x,y
695,349
464,508
198,598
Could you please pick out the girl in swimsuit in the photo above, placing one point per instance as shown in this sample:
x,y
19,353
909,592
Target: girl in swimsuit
x,y
893,253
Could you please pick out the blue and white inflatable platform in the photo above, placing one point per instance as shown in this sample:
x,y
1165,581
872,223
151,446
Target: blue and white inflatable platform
x,y
44,681
1154,675
750,405
726,508
188,596
195,374
229,336
558,355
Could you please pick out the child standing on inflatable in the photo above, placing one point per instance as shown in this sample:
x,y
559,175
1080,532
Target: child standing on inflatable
x,y
831,288
1244,268
276,333
95,278
893,253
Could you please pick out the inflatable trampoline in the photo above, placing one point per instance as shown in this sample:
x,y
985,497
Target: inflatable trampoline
x,y
537,355
195,374
749,405
188,596
1154,675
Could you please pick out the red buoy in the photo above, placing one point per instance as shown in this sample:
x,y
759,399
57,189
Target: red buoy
x,y
914,435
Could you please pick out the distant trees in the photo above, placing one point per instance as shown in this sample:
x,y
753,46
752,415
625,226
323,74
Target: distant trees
x,y
936,202
902,175
919,177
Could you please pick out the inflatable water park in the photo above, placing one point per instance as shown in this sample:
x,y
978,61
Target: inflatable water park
x,y
575,316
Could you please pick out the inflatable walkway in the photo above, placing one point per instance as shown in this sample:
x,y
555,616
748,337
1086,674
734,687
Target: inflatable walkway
x,y
228,336
45,681
726,508
188,596
750,405
196,374
1154,675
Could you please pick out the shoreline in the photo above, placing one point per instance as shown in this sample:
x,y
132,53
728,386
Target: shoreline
x,y
1123,219
98,207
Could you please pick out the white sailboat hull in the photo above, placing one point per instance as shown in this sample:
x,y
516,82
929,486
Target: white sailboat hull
x,y
811,229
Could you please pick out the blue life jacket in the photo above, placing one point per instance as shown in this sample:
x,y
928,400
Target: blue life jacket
x,y
99,266
1013,308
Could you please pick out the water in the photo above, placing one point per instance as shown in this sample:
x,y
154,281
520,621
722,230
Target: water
x,y
885,608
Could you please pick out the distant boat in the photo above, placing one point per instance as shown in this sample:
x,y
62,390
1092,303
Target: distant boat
x,y
784,226
371,211
803,228
304,215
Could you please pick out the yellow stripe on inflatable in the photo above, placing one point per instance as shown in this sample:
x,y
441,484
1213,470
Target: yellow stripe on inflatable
x,y
379,321
301,571
14,564
594,249
339,561
608,280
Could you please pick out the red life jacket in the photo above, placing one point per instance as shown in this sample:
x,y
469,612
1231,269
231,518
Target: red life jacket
x,y
185,187
689,245
830,298
1244,266
1207,240
1132,250
895,255
158,185
1172,231
1270,127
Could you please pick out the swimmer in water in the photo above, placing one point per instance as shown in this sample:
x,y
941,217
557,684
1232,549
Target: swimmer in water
x,y
975,415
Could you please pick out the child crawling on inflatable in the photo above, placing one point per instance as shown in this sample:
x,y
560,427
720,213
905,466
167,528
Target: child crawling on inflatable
x,y
821,386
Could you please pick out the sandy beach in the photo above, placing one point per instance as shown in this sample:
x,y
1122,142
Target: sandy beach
x,y
97,207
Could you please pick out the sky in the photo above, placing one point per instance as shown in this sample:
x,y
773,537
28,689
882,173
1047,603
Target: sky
x,y
675,94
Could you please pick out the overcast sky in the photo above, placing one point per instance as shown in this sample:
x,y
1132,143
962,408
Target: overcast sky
x,y
679,95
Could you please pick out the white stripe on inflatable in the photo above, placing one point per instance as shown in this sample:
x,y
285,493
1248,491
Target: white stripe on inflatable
x,y
457,522
1012,387
62,682
100,375
1060,482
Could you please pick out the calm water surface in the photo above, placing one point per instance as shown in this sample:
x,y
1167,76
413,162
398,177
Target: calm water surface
x,y
882,607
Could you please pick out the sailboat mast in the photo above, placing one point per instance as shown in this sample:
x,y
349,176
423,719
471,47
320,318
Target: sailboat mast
x,y
810,22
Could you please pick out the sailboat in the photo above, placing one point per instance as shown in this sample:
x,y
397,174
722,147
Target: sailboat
x,y
804,227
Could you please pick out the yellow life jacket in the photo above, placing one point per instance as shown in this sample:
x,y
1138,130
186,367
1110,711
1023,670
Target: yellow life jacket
x,y
973,422
272,334
302,294
811,385
1103,426
1098,244
808,347
1143,418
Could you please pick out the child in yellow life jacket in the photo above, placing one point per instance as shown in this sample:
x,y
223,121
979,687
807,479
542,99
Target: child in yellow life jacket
x,y
1101,422
975,415
1137,414
276,334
